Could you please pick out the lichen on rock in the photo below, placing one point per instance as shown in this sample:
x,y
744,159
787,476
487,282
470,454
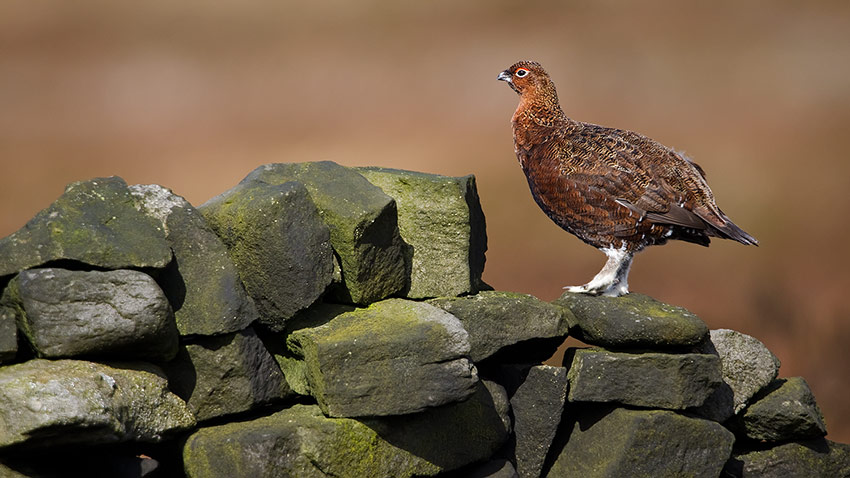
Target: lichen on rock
x,y
93,222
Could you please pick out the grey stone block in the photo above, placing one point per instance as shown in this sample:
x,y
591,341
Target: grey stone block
x,y
394,357
94,222
656,380
201,283
605,442
226,374
363,224
121,314
45,403
496,321
631,321
441,218
279,244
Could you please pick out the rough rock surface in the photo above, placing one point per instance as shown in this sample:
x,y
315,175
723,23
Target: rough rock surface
x,y
363,224
811,458
394,357
496,321
8,334
278,242
44,403
605,442
785,410
121,313
492,469
441,218
656,380
301,441
537,404
201,283
747,366
293,365
633,320
94,222
226,374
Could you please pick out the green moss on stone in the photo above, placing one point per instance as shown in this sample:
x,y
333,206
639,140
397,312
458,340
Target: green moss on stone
x,y
363,362
363,224
94,222
441,218
633,320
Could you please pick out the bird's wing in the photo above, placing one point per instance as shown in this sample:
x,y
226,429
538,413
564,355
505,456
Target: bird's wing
x,y
640,174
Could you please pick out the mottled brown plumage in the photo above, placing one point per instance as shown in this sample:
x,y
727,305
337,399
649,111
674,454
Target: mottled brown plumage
x,y
616,190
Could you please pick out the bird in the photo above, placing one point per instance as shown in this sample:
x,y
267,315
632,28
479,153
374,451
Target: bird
x,y
617,190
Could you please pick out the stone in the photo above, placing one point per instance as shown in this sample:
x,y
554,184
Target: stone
x,y
293,367
201,283
785,410
502,322
605,442
815,458
47,403
452,435
655,380
8,334
631,321
226,374
279,244
441,218
747,367
119,461
94,222
492,469
537,404
394,357
301,441
121,314
363,224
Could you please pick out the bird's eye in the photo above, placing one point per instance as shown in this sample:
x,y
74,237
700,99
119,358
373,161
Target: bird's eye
x,y
521,72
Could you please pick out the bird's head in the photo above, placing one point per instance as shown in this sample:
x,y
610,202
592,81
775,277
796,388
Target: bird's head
x,y
527,77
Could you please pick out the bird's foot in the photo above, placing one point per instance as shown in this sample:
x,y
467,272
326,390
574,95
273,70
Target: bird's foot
x,y
614,289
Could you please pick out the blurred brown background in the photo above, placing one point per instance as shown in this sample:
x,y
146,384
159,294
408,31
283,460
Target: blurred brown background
x,y
194,95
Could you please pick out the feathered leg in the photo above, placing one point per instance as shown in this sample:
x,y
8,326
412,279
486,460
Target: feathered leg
x,y
613,279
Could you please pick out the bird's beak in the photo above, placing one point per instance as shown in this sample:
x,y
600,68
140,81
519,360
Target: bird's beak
x,y
507,77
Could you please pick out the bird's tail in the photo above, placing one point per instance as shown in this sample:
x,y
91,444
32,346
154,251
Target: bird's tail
x,y
732,231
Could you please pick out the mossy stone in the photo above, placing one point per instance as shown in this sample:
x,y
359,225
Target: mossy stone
x,y
45,403
363,224
94,222
119,314
747,366
656,380
784,410
508,324
226,374
441,218
202,283
8,334
303,442
394,357
810,458
631,321
604,442
537,404
278,242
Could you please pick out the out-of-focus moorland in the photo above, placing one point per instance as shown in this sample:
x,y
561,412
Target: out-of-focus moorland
x,y
194,95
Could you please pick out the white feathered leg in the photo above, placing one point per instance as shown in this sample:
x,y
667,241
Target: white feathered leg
x,y
613,279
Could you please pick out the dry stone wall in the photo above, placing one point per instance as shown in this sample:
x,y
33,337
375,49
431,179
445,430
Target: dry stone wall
x,y
323,321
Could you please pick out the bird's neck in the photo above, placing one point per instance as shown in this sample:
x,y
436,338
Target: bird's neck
x,y
535,120
539,111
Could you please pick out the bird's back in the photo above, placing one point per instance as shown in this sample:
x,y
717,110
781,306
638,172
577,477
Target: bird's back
x,y
617,188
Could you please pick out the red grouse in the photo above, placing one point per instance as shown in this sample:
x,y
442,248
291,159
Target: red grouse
x,y
616,190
